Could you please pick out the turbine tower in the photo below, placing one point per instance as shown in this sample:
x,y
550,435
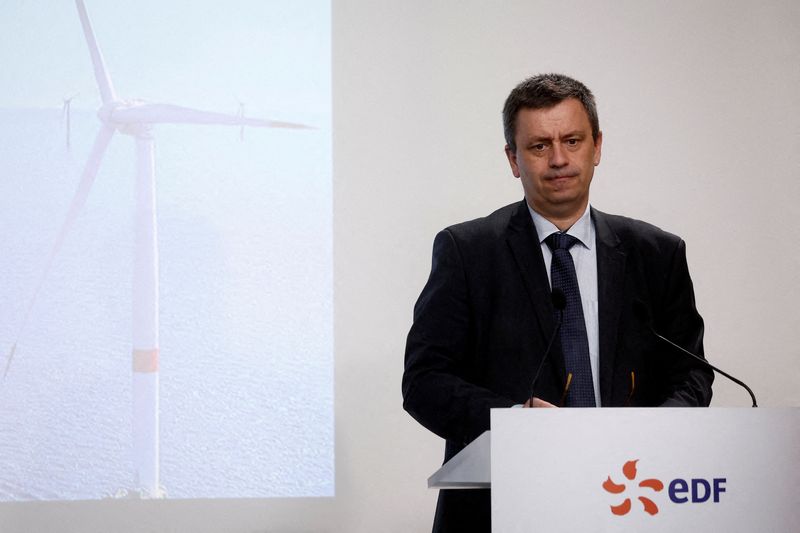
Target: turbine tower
x,y
136,118
240,114
65,115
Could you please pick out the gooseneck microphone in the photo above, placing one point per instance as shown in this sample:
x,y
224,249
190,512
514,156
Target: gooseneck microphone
x,y
643,313
559,303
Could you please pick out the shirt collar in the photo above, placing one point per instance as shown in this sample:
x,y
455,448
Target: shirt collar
x,y
582,229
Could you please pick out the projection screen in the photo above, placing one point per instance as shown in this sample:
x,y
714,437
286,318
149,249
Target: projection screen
x,y
166,281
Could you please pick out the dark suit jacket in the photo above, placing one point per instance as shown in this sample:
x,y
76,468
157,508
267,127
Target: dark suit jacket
x,y
483,320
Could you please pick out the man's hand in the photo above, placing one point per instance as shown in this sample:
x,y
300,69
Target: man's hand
x,y
536,402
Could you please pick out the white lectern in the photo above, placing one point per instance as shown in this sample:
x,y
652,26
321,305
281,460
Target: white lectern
x,y
659,470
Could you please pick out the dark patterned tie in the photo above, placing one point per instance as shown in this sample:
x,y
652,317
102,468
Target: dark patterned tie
x,y
574,342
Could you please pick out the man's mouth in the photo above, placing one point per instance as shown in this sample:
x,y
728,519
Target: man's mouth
x,y
556,177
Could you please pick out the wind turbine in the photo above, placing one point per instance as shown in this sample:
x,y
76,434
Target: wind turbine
x,y
136,118
65,114
240,114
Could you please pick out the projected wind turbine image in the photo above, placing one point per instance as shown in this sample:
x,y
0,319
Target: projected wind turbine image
x,y
264,317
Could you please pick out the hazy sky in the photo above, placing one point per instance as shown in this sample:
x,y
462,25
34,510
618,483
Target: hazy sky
x,y
272,55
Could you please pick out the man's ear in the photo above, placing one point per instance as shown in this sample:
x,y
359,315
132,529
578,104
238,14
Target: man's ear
x,y
512,160
598,145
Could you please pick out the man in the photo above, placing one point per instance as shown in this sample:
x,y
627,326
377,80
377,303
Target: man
x,y
487,313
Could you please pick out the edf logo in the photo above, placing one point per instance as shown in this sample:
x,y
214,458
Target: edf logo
x,y
700,490
680,491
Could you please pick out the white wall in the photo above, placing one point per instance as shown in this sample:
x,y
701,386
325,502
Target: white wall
x,y
699,104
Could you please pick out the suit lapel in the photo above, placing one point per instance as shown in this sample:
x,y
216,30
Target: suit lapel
x,y
527,252
610,285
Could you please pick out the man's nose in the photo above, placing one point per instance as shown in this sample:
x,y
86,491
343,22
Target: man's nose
x,y
558,156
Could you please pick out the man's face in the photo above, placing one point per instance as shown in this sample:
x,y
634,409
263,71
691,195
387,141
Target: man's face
x,y
555,158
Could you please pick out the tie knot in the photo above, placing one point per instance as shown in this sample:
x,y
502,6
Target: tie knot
x,y
560,241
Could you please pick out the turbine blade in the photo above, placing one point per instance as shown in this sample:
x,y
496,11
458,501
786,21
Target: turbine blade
x,y
100,73
78,201
173,114
9,357
84,186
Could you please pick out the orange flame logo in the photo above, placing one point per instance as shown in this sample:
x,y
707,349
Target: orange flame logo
x,y
629,470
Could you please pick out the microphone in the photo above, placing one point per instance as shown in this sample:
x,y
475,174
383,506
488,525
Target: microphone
x,y
559,303
643,313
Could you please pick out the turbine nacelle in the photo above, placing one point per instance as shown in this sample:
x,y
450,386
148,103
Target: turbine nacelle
x,y
112,114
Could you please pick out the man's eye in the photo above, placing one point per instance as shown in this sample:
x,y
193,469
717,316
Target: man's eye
x,y
572,142
539,147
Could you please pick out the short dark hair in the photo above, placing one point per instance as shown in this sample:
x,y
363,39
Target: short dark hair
x,y
544,91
